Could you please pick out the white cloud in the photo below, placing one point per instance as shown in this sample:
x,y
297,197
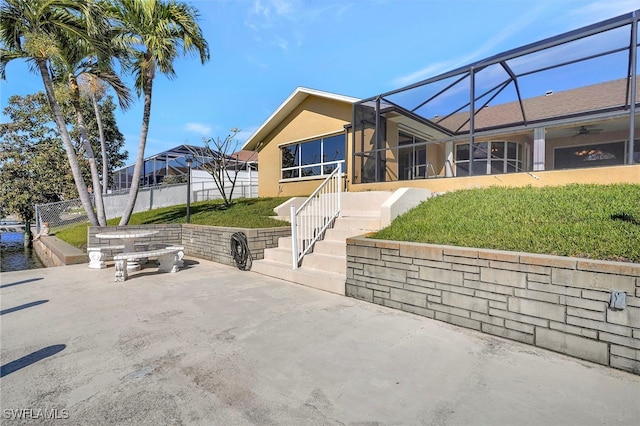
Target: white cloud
x,y
244,135
422,74
201,129
280,42
284,23
487,48
601,10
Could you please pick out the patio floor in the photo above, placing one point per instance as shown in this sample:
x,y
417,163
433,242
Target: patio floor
x,y
212,345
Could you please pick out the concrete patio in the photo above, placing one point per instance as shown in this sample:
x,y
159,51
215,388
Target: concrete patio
x,y
212,345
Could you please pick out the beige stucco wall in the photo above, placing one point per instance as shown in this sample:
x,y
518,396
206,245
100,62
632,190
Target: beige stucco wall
x,y
312,118
600,175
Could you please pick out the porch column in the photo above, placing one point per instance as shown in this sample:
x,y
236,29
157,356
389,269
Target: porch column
x,y
448,161
539,148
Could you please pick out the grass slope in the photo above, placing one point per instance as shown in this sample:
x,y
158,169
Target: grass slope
x,y
592,221
244,213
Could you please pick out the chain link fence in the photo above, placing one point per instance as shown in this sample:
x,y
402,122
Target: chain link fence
x,y
60,214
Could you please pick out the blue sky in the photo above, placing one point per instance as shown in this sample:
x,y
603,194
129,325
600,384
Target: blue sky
x,y
261,50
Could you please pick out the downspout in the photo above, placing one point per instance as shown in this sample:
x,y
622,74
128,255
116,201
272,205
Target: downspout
x,y
472,114
634,70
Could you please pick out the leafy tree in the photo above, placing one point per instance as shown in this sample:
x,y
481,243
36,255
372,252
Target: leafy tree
x,y
35,31
155,31
33,168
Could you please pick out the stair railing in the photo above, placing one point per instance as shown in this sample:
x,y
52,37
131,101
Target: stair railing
x,y
315,215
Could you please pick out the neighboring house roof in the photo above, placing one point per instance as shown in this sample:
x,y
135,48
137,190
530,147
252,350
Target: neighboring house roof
x,y
290,104
245,156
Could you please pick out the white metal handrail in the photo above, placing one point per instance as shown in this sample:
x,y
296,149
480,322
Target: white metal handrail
x,y
315,215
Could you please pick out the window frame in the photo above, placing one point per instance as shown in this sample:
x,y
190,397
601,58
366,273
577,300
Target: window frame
x,y
520,162
322,165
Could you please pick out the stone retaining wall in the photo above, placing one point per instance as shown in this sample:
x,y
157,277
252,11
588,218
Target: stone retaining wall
x,y
52,252
205,242
557,303
214,242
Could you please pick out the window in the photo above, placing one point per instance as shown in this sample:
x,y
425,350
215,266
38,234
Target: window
x,y
412,157
316,157
495,157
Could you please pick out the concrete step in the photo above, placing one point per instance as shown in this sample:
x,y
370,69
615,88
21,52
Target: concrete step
x,y
358,222
327,255
284,242
325,263
360,212
321,280
330,247
367,201
278,254
342,234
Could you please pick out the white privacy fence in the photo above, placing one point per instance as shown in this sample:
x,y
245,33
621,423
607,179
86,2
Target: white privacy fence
x,y
69,212
315,215
171,195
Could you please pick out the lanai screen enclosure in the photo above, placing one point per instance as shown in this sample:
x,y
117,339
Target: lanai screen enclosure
x,y
569,101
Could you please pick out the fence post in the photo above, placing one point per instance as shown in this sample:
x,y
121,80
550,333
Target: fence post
x,y
37,220
340,189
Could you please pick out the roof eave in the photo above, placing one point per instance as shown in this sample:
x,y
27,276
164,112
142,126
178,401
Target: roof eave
x,y
289,104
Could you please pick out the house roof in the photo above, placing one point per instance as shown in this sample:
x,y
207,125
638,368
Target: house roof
x,y
286,108
584,100
245,156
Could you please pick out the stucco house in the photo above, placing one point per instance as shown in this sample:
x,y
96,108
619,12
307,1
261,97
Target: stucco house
x,y
301,142
558,111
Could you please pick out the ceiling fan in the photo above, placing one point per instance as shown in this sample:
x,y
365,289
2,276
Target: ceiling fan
x,y
584,130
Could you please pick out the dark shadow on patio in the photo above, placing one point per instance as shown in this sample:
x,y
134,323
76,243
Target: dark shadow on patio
x,y
20,307
21,282
32,358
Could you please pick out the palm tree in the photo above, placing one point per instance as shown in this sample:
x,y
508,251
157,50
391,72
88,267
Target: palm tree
x,y
32,30
156,31
95,89
75,60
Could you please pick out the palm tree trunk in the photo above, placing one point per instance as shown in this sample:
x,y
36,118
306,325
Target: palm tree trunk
x,y
84,137
83,193
137,169
103,145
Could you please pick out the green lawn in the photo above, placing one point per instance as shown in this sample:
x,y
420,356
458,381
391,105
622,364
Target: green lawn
x,y
592,221
244,213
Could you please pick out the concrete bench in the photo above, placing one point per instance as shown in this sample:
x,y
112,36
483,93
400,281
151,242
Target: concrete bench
x,y
167,257
180,254
98,254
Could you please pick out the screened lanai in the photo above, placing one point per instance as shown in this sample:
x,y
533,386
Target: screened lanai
x,y
570,101
156,168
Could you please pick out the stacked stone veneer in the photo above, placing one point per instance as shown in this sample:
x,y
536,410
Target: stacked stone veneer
x,y
214,242
205,242
557,303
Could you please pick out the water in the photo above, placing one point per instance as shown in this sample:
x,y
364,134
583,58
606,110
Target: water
x,y
14,256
